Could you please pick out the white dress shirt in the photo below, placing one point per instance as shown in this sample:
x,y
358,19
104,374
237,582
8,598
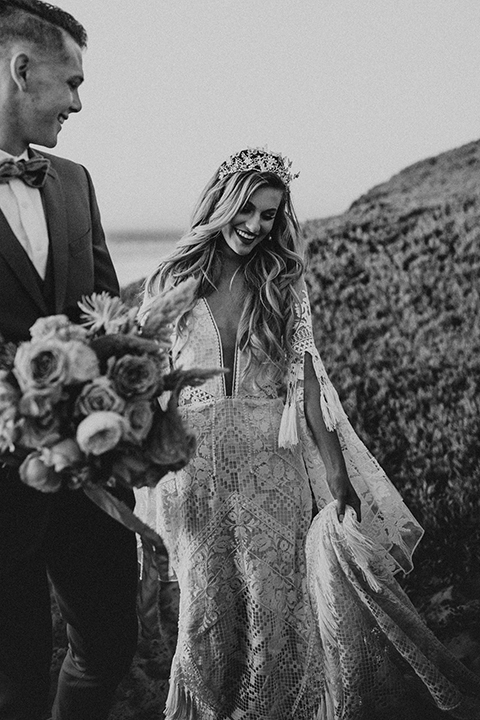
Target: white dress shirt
x,y
23,209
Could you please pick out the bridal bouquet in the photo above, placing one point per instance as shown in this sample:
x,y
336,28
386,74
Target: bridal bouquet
x,y
79,403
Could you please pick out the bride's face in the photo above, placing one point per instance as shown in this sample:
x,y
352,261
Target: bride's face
x,y
254,221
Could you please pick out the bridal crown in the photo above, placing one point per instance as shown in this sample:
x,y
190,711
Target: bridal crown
x,y
261,160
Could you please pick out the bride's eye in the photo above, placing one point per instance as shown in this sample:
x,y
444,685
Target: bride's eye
x,y
246,208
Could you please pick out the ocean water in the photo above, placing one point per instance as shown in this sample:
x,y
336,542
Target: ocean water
x,y
136,254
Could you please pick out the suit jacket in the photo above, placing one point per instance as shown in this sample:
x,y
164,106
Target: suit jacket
x,y
80,260
80,264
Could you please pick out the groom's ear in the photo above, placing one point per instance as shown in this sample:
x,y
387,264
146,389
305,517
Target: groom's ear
x,y
19,67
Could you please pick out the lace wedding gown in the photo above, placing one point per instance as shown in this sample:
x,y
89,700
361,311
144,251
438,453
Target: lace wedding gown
x,y
259,637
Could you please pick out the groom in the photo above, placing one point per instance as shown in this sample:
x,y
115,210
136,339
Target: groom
x,y
52,251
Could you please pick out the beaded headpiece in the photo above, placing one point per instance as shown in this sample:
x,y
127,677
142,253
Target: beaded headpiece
x,y
261,160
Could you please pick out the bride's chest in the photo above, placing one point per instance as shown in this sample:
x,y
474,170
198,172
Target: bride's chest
x,y
225,313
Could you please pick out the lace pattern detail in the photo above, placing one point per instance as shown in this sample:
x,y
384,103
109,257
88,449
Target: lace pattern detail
x,y
371,634
384,514
235,523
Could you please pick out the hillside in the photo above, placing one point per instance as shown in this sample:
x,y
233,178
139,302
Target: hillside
x,y
395,297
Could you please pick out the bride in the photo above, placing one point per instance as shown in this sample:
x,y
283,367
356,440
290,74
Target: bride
x,y
285,612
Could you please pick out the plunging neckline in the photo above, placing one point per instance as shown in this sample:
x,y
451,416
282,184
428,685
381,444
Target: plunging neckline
x,y
221,354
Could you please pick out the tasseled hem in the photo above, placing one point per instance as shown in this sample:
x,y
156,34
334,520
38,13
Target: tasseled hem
x,y
329,400
329,404
360,615
288,433
328,412
181,705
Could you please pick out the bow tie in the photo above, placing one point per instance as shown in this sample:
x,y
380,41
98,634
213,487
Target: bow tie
x,y
33,172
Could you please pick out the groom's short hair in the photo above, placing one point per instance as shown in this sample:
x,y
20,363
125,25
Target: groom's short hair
x,y
39,23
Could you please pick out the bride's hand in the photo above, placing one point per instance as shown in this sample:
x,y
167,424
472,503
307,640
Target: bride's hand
x,y
329,446
344,494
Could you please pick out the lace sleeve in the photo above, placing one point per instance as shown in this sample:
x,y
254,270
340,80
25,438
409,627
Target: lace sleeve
x,y
303,342
385,517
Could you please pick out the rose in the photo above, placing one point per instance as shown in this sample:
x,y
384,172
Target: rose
x,y
42,364
62,455
8,429
99,395
36,432
57,326
139,417
136,375
8,394
35,473
42,469
83,362
74,332
48,327
100,432
7,356
8,414
39,403
51,363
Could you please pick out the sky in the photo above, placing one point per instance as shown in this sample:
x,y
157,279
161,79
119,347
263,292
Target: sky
x,y
352,91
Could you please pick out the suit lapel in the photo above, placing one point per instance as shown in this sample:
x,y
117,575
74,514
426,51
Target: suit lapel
x,y
56,215
17,258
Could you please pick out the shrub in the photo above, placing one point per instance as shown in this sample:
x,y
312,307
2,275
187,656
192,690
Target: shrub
x,y
394,288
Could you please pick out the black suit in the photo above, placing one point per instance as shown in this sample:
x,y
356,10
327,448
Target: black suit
x,y
91,558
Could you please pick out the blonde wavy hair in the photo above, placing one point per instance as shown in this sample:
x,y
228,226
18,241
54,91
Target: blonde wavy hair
x,y
271,270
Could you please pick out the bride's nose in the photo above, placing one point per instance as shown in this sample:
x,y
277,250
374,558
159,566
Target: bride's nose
x,y
253,224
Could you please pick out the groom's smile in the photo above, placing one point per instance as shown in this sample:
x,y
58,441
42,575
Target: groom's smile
x,y
48,91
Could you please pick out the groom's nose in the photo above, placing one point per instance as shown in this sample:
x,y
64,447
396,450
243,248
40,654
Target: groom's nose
x,y
76,104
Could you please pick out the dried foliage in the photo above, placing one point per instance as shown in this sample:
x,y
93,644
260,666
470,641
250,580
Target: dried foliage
x,y
395,289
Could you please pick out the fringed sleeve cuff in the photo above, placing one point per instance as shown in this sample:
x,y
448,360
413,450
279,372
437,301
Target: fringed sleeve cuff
x,y
330,403
303,342
288,433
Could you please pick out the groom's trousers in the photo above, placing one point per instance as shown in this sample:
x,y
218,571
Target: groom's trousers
x,y
91,560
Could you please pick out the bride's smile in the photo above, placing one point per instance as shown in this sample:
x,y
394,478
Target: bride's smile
x,y
254,221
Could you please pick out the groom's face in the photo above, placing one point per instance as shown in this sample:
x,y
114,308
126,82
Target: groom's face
x,y
52,93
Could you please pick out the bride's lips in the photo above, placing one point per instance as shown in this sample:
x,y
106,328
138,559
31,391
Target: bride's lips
x,y
245,237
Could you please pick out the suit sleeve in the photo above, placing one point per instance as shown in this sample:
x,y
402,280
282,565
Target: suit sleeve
x,y
105,277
